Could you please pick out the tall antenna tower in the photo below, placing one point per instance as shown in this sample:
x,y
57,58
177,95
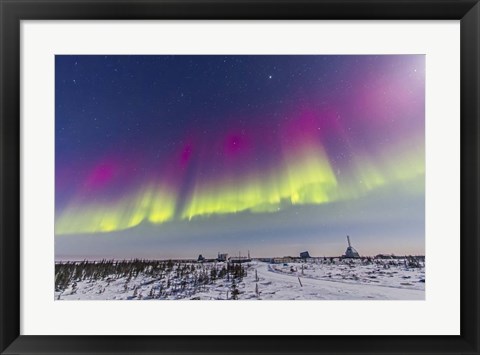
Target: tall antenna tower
x,y
350,252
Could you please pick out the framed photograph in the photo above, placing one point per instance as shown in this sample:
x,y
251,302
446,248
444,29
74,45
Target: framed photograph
x,y
239,177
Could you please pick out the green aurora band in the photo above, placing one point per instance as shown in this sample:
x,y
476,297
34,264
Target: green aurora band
x,y
304,177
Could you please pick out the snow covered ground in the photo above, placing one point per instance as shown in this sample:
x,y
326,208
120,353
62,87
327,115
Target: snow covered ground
x,y
326,280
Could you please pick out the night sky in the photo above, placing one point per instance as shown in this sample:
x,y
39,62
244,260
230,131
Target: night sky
x,y
173,156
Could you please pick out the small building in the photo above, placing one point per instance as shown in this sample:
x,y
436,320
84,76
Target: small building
x,y
304,255
284,260
222,257
200,258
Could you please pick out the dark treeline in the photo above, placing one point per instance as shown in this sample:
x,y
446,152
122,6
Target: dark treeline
x,y
164,278
408,261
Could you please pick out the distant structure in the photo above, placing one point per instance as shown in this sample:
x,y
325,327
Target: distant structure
x,y
200,258
284,260
350,252
304,255
222,257
239,259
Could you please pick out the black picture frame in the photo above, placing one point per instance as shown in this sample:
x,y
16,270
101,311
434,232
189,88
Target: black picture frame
x,y
13,11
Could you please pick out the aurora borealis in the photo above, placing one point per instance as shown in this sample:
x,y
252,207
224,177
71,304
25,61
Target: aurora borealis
x,y
156,154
